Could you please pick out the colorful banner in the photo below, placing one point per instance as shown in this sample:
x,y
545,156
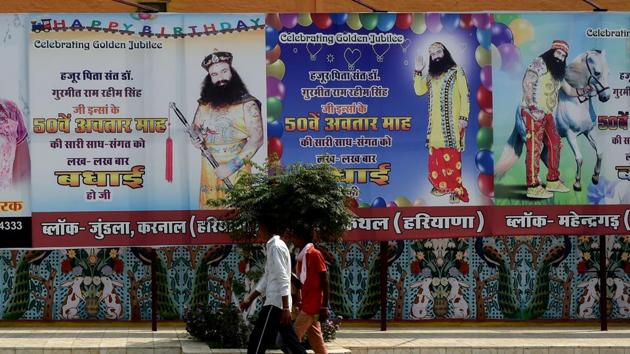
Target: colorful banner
x,y
118,129
394,101
561,109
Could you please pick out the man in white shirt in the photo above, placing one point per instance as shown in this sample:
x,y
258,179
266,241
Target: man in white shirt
x,y
275,316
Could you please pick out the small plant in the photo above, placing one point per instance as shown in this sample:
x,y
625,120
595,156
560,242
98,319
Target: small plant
x,y
220,328
330,328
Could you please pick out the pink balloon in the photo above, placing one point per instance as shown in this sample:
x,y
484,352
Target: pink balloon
x,y
510,56
482,21
275,88
486,77
392,205
434,22
289,20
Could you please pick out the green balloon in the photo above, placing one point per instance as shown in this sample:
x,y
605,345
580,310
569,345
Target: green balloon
x,y
276,69
484,138
369,20
274,109
305,19
364,205
505,18
419,25
354,22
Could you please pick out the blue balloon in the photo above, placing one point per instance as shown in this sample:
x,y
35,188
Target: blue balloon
x,y
275,129
386,22
379,202
450,21
271,37
484,37
501,34
485,162
339,19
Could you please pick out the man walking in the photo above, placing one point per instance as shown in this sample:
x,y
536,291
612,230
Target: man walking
x,y
275,316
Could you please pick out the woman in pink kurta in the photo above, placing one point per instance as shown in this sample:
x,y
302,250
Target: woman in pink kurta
x,y
12,140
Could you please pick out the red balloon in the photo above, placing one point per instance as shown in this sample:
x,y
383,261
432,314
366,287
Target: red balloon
x,y
403,21
273,20
484,98
465,21
322,21
486,184
274,147
485,119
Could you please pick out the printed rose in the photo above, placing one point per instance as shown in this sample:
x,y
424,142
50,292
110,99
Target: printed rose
x,y
581,267
415,267
66,266
119,266
463,267
242,266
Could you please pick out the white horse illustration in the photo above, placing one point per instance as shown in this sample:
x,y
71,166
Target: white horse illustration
x,y
574,116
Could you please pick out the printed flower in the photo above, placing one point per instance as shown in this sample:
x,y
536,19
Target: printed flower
x,y
113,253
242,266
440,261
420,256
92,259
428,244
71,253
581,267
586,256
459,255
595,245
66,266
584,239
119,266
626,239
463,267
616,246
451,244
625,256
415,267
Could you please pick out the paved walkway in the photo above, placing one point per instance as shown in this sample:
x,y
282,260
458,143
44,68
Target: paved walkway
x,y
122,338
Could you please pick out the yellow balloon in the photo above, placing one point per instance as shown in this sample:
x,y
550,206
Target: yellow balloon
x,y
496,56
483,56
305,19
419,25
354,22
402,202
276,69
419,202
522,30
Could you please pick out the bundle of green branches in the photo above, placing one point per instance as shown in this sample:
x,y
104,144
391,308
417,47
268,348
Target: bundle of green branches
x,y
289,201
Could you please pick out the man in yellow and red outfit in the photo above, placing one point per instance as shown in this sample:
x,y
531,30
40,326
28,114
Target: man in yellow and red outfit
x,y
449,105
541,84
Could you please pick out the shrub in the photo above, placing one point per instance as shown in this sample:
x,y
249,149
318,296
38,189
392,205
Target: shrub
x,y
220,328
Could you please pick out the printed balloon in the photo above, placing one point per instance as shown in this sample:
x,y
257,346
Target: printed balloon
x,y
289,20
354,22
305,19
484,138
379,202
523,31
339,19
501,34
403,21
274,54
275,87
485,182
403,202
482,55
273,20
449,21
276,69
484,37
484,119
484,162
484,98
486,77
274,147
434,22
419,25
322,21
481,21
369,20
386,21
274,108
275,129
271,37
465,21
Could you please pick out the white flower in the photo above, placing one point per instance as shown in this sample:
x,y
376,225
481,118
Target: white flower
x,y
595,245
428,244
444,281
616,246
435,281
451,244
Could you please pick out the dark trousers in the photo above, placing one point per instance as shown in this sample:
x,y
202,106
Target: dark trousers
x,y
266,330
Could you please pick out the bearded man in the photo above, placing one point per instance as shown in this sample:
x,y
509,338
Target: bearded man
x,y
541,85
229,122
449,106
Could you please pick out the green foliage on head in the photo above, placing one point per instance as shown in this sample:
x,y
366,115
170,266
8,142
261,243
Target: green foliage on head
x,y
296,201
